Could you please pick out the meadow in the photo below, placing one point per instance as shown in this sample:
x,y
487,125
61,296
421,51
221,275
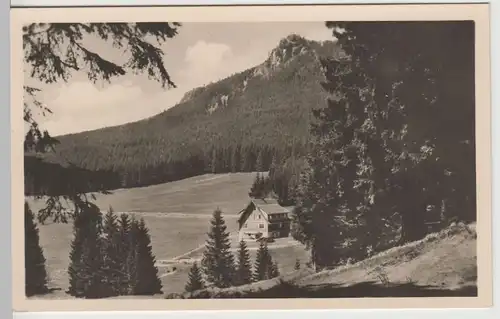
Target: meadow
x,y
178,217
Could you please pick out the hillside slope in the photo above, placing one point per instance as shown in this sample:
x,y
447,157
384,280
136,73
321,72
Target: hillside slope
x,y
237,124
442,264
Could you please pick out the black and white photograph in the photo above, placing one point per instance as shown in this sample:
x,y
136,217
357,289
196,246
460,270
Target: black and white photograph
x,y
178,159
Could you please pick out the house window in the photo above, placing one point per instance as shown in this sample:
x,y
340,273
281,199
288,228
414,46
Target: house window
x,y
258,216
245,226
261,225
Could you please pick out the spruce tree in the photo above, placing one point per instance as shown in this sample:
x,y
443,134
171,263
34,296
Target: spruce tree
x,y
259,163
86,262
214,161
218,262
256,189
146,280
336,183
195,280
297,265
274,270
93,265
246,159
244,270
235,159
263,268
34,260
111,254
126,255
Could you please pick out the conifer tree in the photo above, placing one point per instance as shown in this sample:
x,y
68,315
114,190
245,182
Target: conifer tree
x,y
235,159
244,270
218,262
274,270
214,161
246,159
297,265
34,263
266,187
256,189
259,163
195,280
86,262
111,253
126,255
146,280
336,184
263,268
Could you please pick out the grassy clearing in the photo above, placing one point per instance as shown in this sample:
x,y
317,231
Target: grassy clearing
x,y
198,195
443,259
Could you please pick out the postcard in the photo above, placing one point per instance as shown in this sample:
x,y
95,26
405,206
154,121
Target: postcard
x,y
250,157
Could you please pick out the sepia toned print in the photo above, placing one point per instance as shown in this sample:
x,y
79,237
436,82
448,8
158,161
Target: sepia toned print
x,y
340,157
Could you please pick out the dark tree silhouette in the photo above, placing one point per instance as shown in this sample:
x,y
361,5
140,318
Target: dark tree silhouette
x,y
34,260
146,278
379,147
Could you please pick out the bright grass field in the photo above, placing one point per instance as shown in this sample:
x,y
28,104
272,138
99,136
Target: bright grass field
x,y
178,216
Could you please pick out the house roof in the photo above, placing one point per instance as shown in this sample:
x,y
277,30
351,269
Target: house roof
x,y
267,206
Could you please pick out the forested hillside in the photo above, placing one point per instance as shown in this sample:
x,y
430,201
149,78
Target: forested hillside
x,y
237,124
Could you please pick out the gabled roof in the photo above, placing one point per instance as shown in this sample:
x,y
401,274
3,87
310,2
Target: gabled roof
x,y
267,206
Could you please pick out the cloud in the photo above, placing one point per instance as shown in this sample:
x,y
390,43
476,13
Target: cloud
x,y
207,62
204,63
81,106
84,96
319,34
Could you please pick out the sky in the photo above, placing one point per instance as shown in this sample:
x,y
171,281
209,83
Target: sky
x,y
201,53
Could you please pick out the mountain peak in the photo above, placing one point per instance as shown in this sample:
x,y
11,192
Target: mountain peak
x,y
288,48
293,40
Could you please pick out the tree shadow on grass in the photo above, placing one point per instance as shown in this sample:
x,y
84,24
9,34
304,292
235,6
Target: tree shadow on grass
x,y
360,290
41,292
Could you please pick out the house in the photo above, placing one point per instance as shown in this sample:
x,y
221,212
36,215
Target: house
x,y
265,217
